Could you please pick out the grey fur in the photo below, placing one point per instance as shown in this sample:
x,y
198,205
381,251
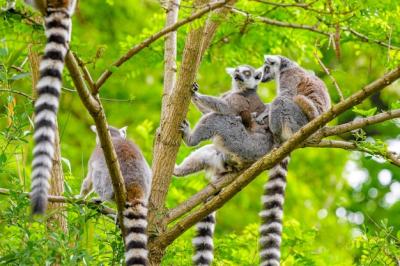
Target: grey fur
x,y
137,176
301,97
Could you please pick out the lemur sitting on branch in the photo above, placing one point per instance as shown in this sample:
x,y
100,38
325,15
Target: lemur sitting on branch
x,y
237,141
137,176
302,96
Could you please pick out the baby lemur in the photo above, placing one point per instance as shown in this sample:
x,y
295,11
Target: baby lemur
x,y
58,25
137,176
237,141
302,96
241,100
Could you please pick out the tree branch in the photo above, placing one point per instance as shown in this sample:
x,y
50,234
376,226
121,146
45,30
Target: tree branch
x,y
280,23
392,157
17,92
92,204
356,124
137,48
93,105
310,28
326,70
275,156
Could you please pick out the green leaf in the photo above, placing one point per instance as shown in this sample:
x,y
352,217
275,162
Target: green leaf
x,y
20,76
363,112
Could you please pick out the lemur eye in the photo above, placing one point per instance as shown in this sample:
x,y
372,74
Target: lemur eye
x,y
272,63
247,73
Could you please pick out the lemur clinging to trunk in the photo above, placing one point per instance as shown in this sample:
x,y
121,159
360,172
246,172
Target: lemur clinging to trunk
x,y
137,176
302,96
58,25
221,122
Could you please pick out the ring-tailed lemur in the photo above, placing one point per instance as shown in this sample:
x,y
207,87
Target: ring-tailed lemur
x,y
302,96
137,177
241,100
58,32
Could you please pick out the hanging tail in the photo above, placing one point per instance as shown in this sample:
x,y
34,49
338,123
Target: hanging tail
x,y
271,215
203,241
135,223
57,29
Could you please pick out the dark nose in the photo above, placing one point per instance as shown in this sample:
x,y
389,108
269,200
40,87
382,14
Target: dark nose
x,y
238,77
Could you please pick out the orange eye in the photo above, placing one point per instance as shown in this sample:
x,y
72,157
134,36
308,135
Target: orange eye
x,y
247,73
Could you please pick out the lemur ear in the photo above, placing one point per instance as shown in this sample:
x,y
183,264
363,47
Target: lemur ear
x,y
93,128
230,70
284,62
258,74
123,132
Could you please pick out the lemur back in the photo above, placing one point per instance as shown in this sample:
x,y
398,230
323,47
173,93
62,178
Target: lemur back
x,y
137,177
301,97
58,30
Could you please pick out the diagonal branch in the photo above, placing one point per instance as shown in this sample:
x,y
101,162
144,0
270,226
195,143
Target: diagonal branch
x,y
356,124
137,48
95,108
275,156
392,157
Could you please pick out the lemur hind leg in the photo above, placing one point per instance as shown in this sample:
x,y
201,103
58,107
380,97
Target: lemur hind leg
x,y
205,158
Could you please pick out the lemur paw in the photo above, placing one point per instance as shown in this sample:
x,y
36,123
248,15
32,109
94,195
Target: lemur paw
x,y
195,87
261,119
97,201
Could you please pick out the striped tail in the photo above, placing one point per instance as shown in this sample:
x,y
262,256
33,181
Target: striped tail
x,y
57,28
135,222
271,215
203,241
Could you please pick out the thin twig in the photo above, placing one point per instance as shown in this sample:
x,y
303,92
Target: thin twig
x,y
356,124
17,92
311,28
92,204
137,48
86,74
339,91
392,157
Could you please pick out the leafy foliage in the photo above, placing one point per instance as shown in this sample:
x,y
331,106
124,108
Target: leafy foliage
x,y
341,208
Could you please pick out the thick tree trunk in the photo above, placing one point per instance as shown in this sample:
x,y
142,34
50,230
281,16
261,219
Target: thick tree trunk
x,y
168,138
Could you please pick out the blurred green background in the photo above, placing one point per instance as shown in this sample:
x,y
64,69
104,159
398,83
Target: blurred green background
x,y
342,208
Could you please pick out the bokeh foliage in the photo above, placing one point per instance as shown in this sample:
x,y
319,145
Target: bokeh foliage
x,y
330,218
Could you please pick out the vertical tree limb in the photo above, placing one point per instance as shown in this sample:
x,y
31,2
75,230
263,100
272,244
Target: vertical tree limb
x,y
168,137
95,108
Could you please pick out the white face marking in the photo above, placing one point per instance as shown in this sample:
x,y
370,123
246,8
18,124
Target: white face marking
x,y
273,62
246,77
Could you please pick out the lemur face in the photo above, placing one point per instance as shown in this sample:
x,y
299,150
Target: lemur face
x,y
273,65
245,76
114,132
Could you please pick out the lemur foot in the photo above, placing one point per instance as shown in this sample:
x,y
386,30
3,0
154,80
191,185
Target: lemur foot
x,y
261,119
97,201
184,127
195,87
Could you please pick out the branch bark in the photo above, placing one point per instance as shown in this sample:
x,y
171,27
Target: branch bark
x,y
314,28
92,204
95,108
356,124
136,49
392,157
168,137
275,156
